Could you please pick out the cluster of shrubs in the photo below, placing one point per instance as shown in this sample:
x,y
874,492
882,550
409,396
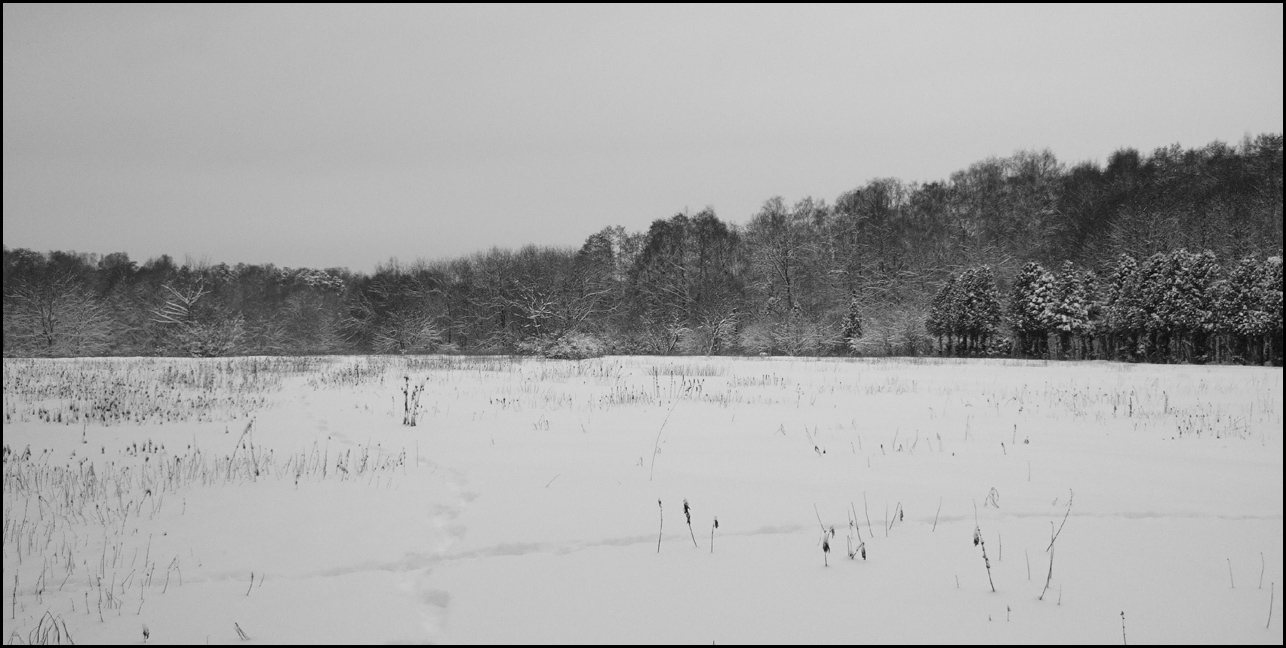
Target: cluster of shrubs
x,y
572,346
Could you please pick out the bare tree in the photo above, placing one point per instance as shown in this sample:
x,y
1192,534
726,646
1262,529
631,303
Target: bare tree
x,y
393,314
186,329
55,315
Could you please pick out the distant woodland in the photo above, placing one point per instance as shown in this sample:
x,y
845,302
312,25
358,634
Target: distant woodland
x,y
1172,256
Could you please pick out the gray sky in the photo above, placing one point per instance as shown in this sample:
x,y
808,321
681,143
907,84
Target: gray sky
x,y
343,135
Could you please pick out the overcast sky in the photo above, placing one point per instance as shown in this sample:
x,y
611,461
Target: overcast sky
x,y
344,135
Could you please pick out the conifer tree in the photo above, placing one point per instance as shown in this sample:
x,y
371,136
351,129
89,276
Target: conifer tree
x,y
1071,310
940,323
852,323
1122,312
1031,309
979,307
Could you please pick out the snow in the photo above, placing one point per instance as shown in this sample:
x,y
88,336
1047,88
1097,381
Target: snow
x,y
525,509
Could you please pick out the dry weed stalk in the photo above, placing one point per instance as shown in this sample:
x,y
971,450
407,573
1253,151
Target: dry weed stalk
x,y
1050,549
661,511
979,542
687,513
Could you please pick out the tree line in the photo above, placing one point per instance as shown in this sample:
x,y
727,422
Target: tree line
x,y
1173,256
1179,306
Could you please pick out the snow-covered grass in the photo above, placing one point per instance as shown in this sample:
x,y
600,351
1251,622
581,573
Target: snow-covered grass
x,y
283,498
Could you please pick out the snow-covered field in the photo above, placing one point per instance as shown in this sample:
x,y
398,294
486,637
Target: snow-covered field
x,y
282,500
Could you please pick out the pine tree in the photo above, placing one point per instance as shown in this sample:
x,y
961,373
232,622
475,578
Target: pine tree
x,y
852,323
1031,309
1270,301
1250,310
1153,282
1071,309
940,322
1193,302
1123,314
979,307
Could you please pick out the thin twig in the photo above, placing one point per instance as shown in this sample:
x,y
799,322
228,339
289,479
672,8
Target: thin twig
x,y
656,445
855,524
896,510
1049,576
867,511
977,539
1060,527
662,526
986,562
688,514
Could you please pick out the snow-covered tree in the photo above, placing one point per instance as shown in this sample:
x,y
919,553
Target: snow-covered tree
x,y
189,326
1032,301
979,307
1150,286
54,315
965,311
1270,282
1250,309
852,323
1071,310
1122,320
1188,303
943,320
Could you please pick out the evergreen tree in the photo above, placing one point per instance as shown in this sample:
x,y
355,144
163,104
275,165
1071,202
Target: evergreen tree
x,y
852,323
942,319
1270,282
1031,309
1123,315
1150,287
1071,310
1250,310
979,307
1188,304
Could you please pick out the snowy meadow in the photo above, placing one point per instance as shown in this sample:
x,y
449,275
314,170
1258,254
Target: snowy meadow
x,y
495,499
